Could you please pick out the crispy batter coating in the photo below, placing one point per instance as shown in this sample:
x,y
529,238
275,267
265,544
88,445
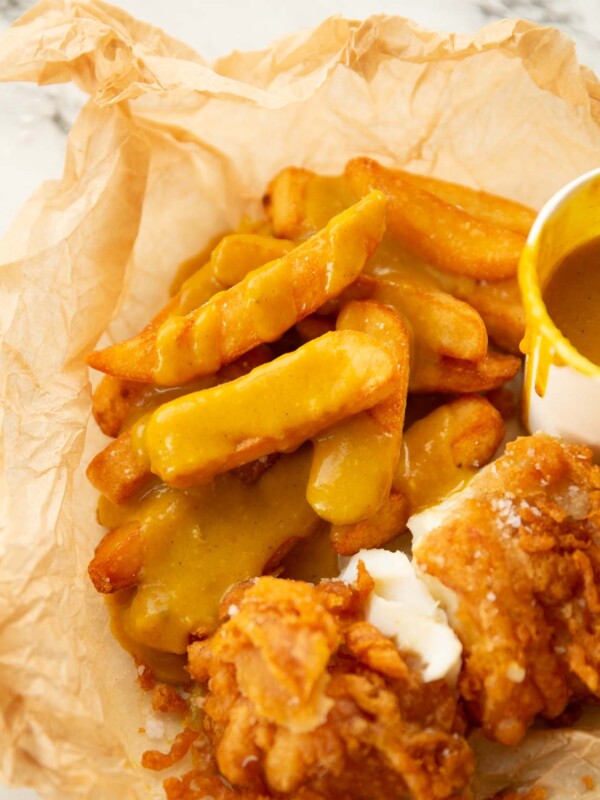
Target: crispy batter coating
x,y
306,699
521,552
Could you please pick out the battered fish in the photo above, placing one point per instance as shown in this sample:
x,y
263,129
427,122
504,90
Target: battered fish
x,y
306,699
515,561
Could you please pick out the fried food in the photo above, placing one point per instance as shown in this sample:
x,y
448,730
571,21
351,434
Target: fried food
x,y
443,450
122,470
377,530
516,560
118,559
500,307
443,374
354,462
299,202
117,404
438,321
230,455
439,453
484,206
232,258
194,546
195,437
258,309
304,695
443,235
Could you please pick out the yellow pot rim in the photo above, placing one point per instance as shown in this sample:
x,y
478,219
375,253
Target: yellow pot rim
x,y
539,322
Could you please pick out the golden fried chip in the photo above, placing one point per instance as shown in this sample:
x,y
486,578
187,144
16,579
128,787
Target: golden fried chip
x,y
433,373
112,403
443,235
377,530
197,543
439,453
314,326
501,308
117,403
299,202
258,309
443,449
354,462
233,257
274,409
285,199
120,471
482,205
118,559
438,321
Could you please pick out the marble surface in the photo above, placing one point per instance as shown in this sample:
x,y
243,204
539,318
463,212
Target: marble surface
x,y
34,122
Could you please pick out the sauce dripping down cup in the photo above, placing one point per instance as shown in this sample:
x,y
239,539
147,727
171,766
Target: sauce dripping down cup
x,y
561,391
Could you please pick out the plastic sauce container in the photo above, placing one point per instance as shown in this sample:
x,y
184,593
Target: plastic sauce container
x,y
561,389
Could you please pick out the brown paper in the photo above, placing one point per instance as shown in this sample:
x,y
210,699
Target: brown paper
x,y
168,152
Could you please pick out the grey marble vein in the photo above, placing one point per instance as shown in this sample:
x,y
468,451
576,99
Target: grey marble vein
x,y
11,9
546,12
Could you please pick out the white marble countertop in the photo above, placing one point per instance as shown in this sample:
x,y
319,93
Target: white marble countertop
x,y
34,121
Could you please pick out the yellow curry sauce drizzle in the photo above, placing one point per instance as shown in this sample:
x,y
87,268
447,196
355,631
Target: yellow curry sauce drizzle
x,y
198,543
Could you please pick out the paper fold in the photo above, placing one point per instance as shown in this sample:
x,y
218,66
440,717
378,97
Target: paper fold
x,y
168,152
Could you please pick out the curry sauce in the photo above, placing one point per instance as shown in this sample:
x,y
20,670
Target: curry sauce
x,y
572,298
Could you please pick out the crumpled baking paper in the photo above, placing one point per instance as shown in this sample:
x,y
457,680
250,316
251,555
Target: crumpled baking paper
x,y
169,151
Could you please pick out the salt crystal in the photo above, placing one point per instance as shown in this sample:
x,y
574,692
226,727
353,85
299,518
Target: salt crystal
x,y
155,729
515,672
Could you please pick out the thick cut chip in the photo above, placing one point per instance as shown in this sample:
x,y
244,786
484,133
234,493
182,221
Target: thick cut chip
x,y
442,234
118,559
433,373
299,202
498,303
438,321
269,301
439,453
501,308
121,470
112,403
231,260
117,404
354,462
274,409
482,205
234,257
376,531
442,451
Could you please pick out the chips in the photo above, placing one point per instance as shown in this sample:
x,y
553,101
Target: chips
x,y
195,437
118,559
442,450
433,373
437,320
439,453
258,309
301,440
482,205
444,235
354,462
